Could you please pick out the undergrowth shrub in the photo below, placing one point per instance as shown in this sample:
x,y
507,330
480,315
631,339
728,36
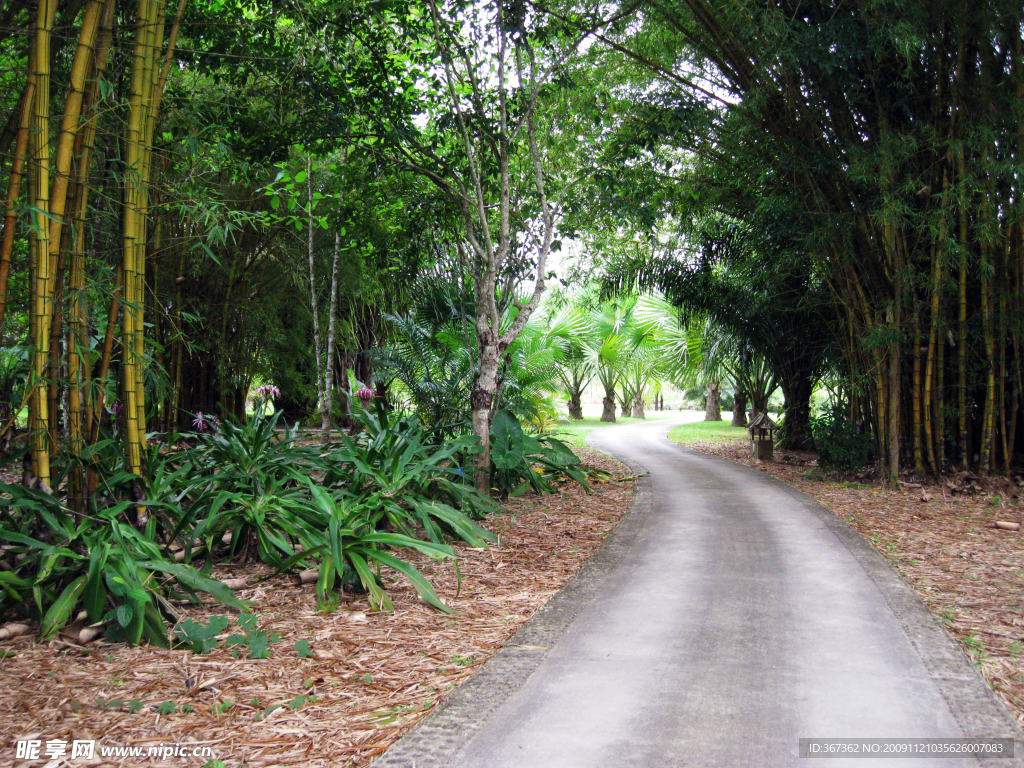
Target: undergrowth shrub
x,y
246,491
841,446
390,462
353,546
521,462
60,562
245,484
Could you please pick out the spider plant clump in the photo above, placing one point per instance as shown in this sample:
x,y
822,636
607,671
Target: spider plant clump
x,y
57,563
249,492
344,507
414,484
245,485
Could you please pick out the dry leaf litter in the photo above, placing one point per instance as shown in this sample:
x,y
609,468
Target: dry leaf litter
x,y
372,675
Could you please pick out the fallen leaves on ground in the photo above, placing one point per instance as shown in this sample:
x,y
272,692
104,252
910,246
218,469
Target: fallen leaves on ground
x,y
369,678
941,537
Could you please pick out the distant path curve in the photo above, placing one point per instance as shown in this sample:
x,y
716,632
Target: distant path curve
x,y
727,617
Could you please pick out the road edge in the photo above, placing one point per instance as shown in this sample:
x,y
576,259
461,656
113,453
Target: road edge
x,y
973,704
437,739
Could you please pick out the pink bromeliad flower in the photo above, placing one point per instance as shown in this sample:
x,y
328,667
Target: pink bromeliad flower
x,y
365,395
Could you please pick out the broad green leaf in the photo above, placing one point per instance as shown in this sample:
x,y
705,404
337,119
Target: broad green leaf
x,y
196,580
378,598
60,611
95,596
423,587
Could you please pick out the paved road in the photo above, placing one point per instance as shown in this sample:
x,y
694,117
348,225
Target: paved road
x,y
726,618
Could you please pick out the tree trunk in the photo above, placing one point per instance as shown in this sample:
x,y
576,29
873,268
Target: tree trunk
x,y
480,401
321,378
713,405
326,401
638,408
575,406
758,405
608,414
739,408
796,426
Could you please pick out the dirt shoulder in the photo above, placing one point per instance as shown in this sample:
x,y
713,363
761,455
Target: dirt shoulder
x,y
941,538
366,678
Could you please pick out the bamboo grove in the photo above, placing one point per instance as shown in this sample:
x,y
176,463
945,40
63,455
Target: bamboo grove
x,y
145,267
53,154
894,134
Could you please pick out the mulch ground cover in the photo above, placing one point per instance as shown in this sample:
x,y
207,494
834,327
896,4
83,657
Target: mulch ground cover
x,y
941,537
358,679
354,683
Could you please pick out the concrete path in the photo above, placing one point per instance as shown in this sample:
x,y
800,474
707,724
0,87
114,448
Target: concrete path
x,y
726,618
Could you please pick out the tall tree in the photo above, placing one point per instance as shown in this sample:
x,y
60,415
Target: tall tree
x,y
490,164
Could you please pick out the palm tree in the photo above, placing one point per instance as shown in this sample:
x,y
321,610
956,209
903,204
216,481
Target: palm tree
x,y
430,356
609,351
573,369
658,349
720,354
531,365
432,366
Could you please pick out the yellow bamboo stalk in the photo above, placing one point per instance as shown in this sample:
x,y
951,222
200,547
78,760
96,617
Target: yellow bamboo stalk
x,y
134,227
70,123
988,414
146,91
934,338
33,249
151,79
917,396
14,188
72,120
83,158
965,458
42,289
77,338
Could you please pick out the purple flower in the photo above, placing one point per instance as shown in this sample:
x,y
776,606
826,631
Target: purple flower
x,y
203,422
268,390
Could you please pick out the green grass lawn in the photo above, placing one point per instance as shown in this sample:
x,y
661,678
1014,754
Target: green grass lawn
x,y
574,434
708,432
